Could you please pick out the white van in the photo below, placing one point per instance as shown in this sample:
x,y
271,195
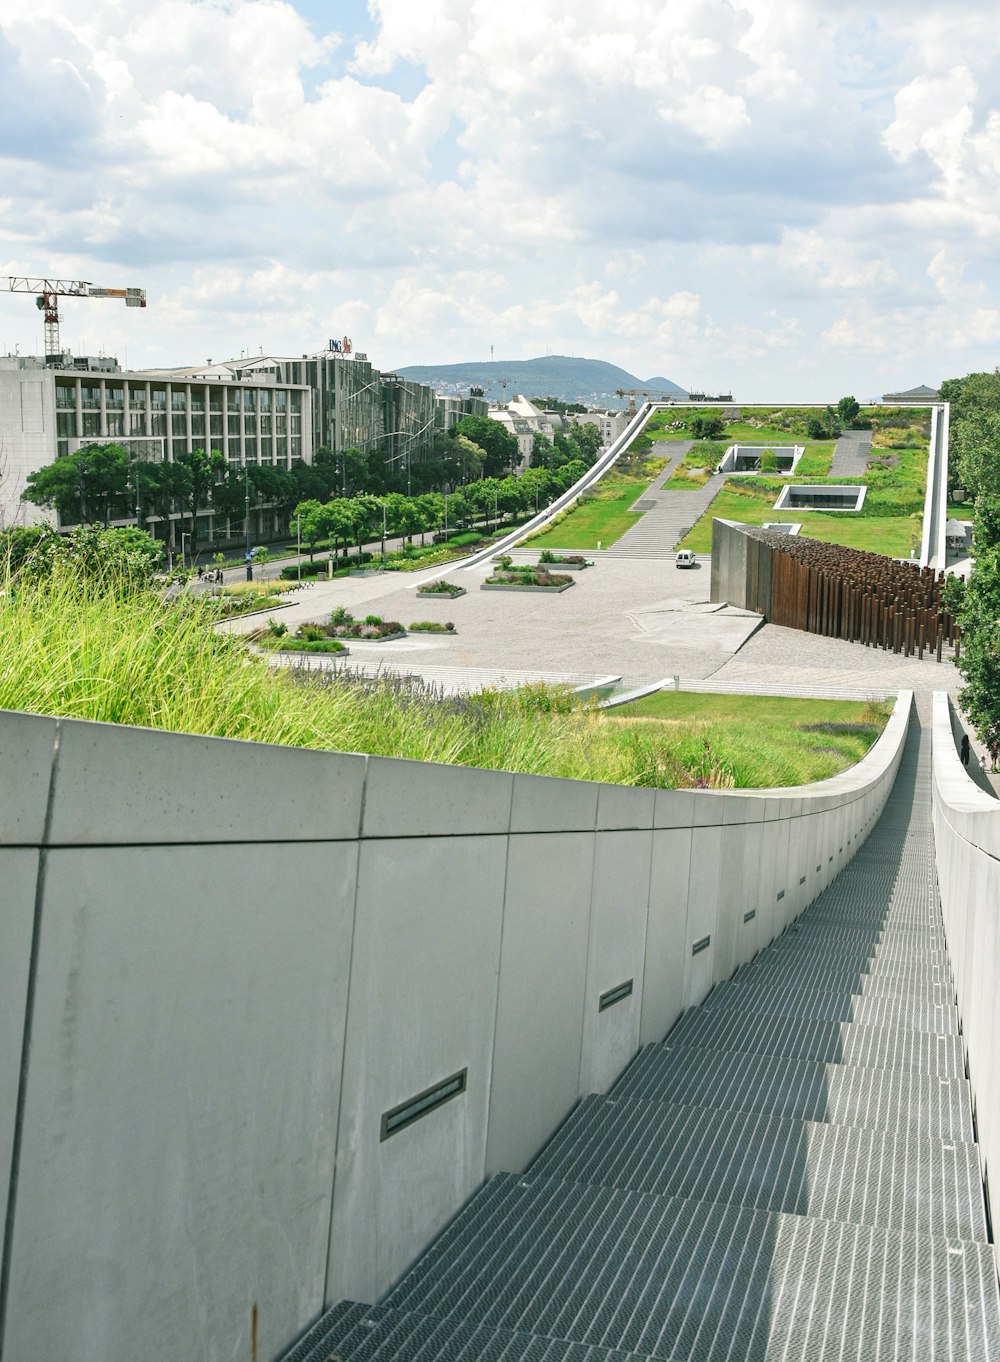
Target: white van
x,y
685,558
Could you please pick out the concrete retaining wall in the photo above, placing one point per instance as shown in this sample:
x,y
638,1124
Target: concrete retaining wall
x,y
742,568
967,837
223,963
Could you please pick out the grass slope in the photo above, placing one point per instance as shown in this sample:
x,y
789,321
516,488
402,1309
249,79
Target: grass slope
x,y
761,740
86,650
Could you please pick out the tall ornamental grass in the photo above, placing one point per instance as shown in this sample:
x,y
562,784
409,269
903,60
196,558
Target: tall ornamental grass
x,y
98,648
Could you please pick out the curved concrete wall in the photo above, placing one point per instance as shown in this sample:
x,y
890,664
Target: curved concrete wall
x,y
967,837
223,963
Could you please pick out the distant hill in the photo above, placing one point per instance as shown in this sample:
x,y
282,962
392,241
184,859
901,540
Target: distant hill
x,y
561,376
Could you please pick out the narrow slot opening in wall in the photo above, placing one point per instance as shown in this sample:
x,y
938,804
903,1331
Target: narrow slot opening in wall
x,y
749,917
701,945
781,895
614,995
425,1102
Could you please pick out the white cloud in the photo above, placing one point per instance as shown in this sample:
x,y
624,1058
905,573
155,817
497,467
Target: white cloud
x,y
734,187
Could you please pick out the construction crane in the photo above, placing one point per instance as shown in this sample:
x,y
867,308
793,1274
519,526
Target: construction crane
x,y
47,291
632,394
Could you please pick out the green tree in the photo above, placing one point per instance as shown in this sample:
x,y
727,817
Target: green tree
x,y
706,425
587,438
986,532
848,408
980,655
126,555
313,521
499,446
89,485
975,447
197,473
825,425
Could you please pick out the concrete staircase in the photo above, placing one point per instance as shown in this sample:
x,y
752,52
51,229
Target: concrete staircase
x,y
791,1175
667,516
850,454
666,521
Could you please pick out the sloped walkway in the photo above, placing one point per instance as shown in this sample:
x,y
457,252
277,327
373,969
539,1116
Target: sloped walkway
x,y
790,1175
851,454
667,516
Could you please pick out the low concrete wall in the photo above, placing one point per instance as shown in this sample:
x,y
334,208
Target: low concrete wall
x,y
967,837
223,963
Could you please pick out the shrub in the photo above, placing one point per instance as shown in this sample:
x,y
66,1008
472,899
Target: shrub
x,y
373,619
276,628
341,615
441,589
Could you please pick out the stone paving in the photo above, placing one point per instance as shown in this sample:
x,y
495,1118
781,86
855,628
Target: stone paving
x,y
642,620
851,454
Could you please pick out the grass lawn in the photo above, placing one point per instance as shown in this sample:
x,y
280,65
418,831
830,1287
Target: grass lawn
x,y
601,518
757,741
603,515
890,522
120,654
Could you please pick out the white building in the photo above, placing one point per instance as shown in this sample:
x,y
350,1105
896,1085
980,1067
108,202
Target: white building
x,y
155,414
524,421
611,424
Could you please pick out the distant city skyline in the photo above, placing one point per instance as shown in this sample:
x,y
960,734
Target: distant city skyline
x,y
798,199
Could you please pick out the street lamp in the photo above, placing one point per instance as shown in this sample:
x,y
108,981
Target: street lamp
x,y
246,520
446,517
298,546
185,534
383,529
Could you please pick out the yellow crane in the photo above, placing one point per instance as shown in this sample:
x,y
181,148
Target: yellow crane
x,y
47,291
632,394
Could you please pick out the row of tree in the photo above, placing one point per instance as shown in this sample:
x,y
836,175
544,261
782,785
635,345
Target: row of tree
x,y
99,484
364,518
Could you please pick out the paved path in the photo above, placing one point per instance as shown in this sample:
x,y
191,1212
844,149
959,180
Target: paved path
x,y
792,1174
851,454
667,516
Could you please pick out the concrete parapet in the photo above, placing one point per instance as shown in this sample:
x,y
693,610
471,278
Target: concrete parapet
x,y
227,968
967,838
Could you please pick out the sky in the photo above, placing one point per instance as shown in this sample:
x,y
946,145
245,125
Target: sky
x,y
786,199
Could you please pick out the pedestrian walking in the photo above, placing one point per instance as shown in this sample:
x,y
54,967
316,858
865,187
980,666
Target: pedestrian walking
x,y
994,753
965,749
982,763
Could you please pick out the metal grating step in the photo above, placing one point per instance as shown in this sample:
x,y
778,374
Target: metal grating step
x,y
826,977
837,1093
830,1042
887,958
903,1182
872,1011
377,1333
829,927
705,1282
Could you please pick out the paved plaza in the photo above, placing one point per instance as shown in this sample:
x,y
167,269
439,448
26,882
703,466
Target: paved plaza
x,y
642,620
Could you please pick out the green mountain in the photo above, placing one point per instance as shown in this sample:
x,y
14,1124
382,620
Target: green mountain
x,y
563,376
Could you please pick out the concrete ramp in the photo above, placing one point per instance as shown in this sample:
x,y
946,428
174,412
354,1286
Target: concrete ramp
x,y
791,1174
